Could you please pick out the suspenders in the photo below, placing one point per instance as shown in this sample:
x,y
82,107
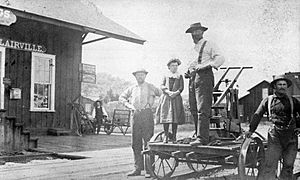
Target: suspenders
x,y
201,52
270,98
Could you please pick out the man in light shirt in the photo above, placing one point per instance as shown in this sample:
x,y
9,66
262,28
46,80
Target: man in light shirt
x,y
140,99
201,81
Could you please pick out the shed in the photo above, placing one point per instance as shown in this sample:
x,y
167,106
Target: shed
x,y
295,89
40,54
249,103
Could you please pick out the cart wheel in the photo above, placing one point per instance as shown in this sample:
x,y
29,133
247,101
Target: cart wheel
x,y
297,176
108,128
163,164
250,159
194,163
159,137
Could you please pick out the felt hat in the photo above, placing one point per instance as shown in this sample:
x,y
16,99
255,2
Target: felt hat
x,y
281,77
195,26
141,70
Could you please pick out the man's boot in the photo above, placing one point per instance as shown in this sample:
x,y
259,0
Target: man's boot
x,y
166,138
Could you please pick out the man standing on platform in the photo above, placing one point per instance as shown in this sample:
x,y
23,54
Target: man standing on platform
x,y
201,81
140,98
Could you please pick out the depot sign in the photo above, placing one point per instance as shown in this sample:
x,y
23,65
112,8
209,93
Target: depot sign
x,y
22,45
7,17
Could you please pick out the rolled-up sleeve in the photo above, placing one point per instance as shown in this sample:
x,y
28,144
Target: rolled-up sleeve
x,y
124,97
216,56
262,108
104,111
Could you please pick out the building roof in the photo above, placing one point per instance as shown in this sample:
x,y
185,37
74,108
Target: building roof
x,y
264,81
245,95
76,14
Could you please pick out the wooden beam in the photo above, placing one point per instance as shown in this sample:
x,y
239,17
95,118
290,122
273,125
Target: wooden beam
x,y
99,39
83,36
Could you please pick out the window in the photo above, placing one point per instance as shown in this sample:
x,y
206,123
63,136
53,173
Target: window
x,y
265,93
42,82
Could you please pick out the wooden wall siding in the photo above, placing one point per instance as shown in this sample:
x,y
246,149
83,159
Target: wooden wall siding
x,y
62,42
295,89
251,102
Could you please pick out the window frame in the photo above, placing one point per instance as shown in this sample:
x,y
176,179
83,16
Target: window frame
x,y
2,75
52,79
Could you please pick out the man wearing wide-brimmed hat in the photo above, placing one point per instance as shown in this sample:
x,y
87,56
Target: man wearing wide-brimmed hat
x,y
140,98
282,135
201,81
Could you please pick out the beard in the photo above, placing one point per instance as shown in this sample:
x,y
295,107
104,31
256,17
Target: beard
x,y
196,38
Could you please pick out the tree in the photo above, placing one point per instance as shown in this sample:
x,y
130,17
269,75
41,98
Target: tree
x,y
107,86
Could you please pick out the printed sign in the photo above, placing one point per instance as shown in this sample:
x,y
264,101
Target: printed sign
x,y
88,78
22,45
88,68
7,17
88,73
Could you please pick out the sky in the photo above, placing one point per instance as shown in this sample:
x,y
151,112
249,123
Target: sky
x,y
263,34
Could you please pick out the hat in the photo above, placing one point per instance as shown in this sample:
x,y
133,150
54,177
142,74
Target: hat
x,y
281,77
195,26
141,70
174,60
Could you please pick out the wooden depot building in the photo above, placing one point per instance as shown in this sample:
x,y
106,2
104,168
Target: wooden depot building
x,y
40,54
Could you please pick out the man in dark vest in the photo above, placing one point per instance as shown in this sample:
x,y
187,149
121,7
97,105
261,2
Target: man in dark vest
x,y
282,139
201,81
99,113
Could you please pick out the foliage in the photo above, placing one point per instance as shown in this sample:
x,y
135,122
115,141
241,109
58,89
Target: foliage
x,y
107,86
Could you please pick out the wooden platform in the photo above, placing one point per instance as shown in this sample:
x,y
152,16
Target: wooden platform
x,y
58,131
209,150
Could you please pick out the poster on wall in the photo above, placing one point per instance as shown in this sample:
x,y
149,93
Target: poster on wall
x,y
87,73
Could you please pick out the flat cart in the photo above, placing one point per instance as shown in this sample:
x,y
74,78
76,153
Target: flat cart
x,y
223,150
246,154
227,148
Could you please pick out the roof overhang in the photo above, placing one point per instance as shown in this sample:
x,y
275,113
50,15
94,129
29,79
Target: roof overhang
x,y
106,27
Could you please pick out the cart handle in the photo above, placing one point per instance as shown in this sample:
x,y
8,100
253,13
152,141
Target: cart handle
x,y
261,136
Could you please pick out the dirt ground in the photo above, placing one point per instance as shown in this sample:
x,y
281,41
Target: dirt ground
x,y
117,140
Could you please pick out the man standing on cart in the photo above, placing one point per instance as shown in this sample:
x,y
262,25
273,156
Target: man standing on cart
x,y
201,81
282,138
140,98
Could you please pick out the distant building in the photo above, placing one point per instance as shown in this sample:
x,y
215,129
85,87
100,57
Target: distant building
x,y
295,89
249,103
87,104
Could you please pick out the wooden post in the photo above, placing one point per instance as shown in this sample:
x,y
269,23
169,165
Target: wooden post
x,y
2,115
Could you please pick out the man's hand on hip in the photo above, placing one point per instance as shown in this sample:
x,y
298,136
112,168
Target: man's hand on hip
x,y
131,107
248,134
